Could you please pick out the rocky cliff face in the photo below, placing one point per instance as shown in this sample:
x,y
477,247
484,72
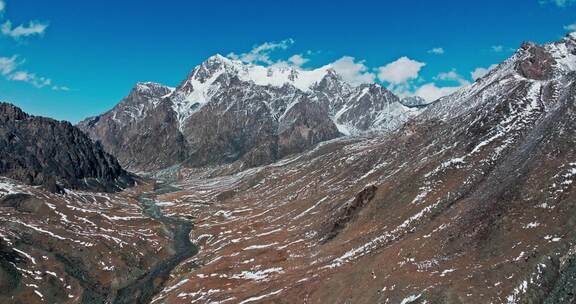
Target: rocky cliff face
x,y
42,151
227,111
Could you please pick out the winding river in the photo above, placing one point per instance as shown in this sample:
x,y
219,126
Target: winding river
x,y
144,289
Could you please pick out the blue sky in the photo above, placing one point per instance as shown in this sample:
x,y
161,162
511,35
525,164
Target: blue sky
x,y
72,59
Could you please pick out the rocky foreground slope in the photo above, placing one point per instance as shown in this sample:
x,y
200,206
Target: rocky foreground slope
x,y
472,202
227,111
80,246
43,151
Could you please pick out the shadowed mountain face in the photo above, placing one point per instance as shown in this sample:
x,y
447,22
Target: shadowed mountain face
x,y
42,151
230,112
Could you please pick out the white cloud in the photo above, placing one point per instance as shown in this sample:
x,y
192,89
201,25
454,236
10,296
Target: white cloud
x,y
452,76
61,88
437,51
9,69
497,48
33,28
298,60
261,53
559,3
400,71
402,90
30,78
480,71
8,65
430,92
570,27
352,71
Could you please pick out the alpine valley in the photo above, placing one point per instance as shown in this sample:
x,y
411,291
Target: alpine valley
x,y
254,184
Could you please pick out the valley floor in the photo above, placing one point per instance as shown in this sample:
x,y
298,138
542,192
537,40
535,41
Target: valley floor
x,y
352,221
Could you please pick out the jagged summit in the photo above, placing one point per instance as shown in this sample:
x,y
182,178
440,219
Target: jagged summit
x,y
332,84
371,107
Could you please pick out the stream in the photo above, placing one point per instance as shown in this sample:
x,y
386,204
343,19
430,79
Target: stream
x,y
146,287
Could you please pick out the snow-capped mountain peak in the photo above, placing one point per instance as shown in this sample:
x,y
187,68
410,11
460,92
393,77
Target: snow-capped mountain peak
x,y
276,75
332,83
244,111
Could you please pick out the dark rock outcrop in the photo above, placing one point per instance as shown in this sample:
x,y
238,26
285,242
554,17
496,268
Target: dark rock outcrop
x,y
24,203
538,65
302,126
347,213
42,151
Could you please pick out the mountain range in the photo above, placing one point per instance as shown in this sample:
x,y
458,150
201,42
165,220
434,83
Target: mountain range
x,y
227,112
279,185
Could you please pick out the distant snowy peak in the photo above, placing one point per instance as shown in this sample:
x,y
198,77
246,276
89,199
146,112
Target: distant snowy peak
x,y
374,91
276,75
218,73
371,107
